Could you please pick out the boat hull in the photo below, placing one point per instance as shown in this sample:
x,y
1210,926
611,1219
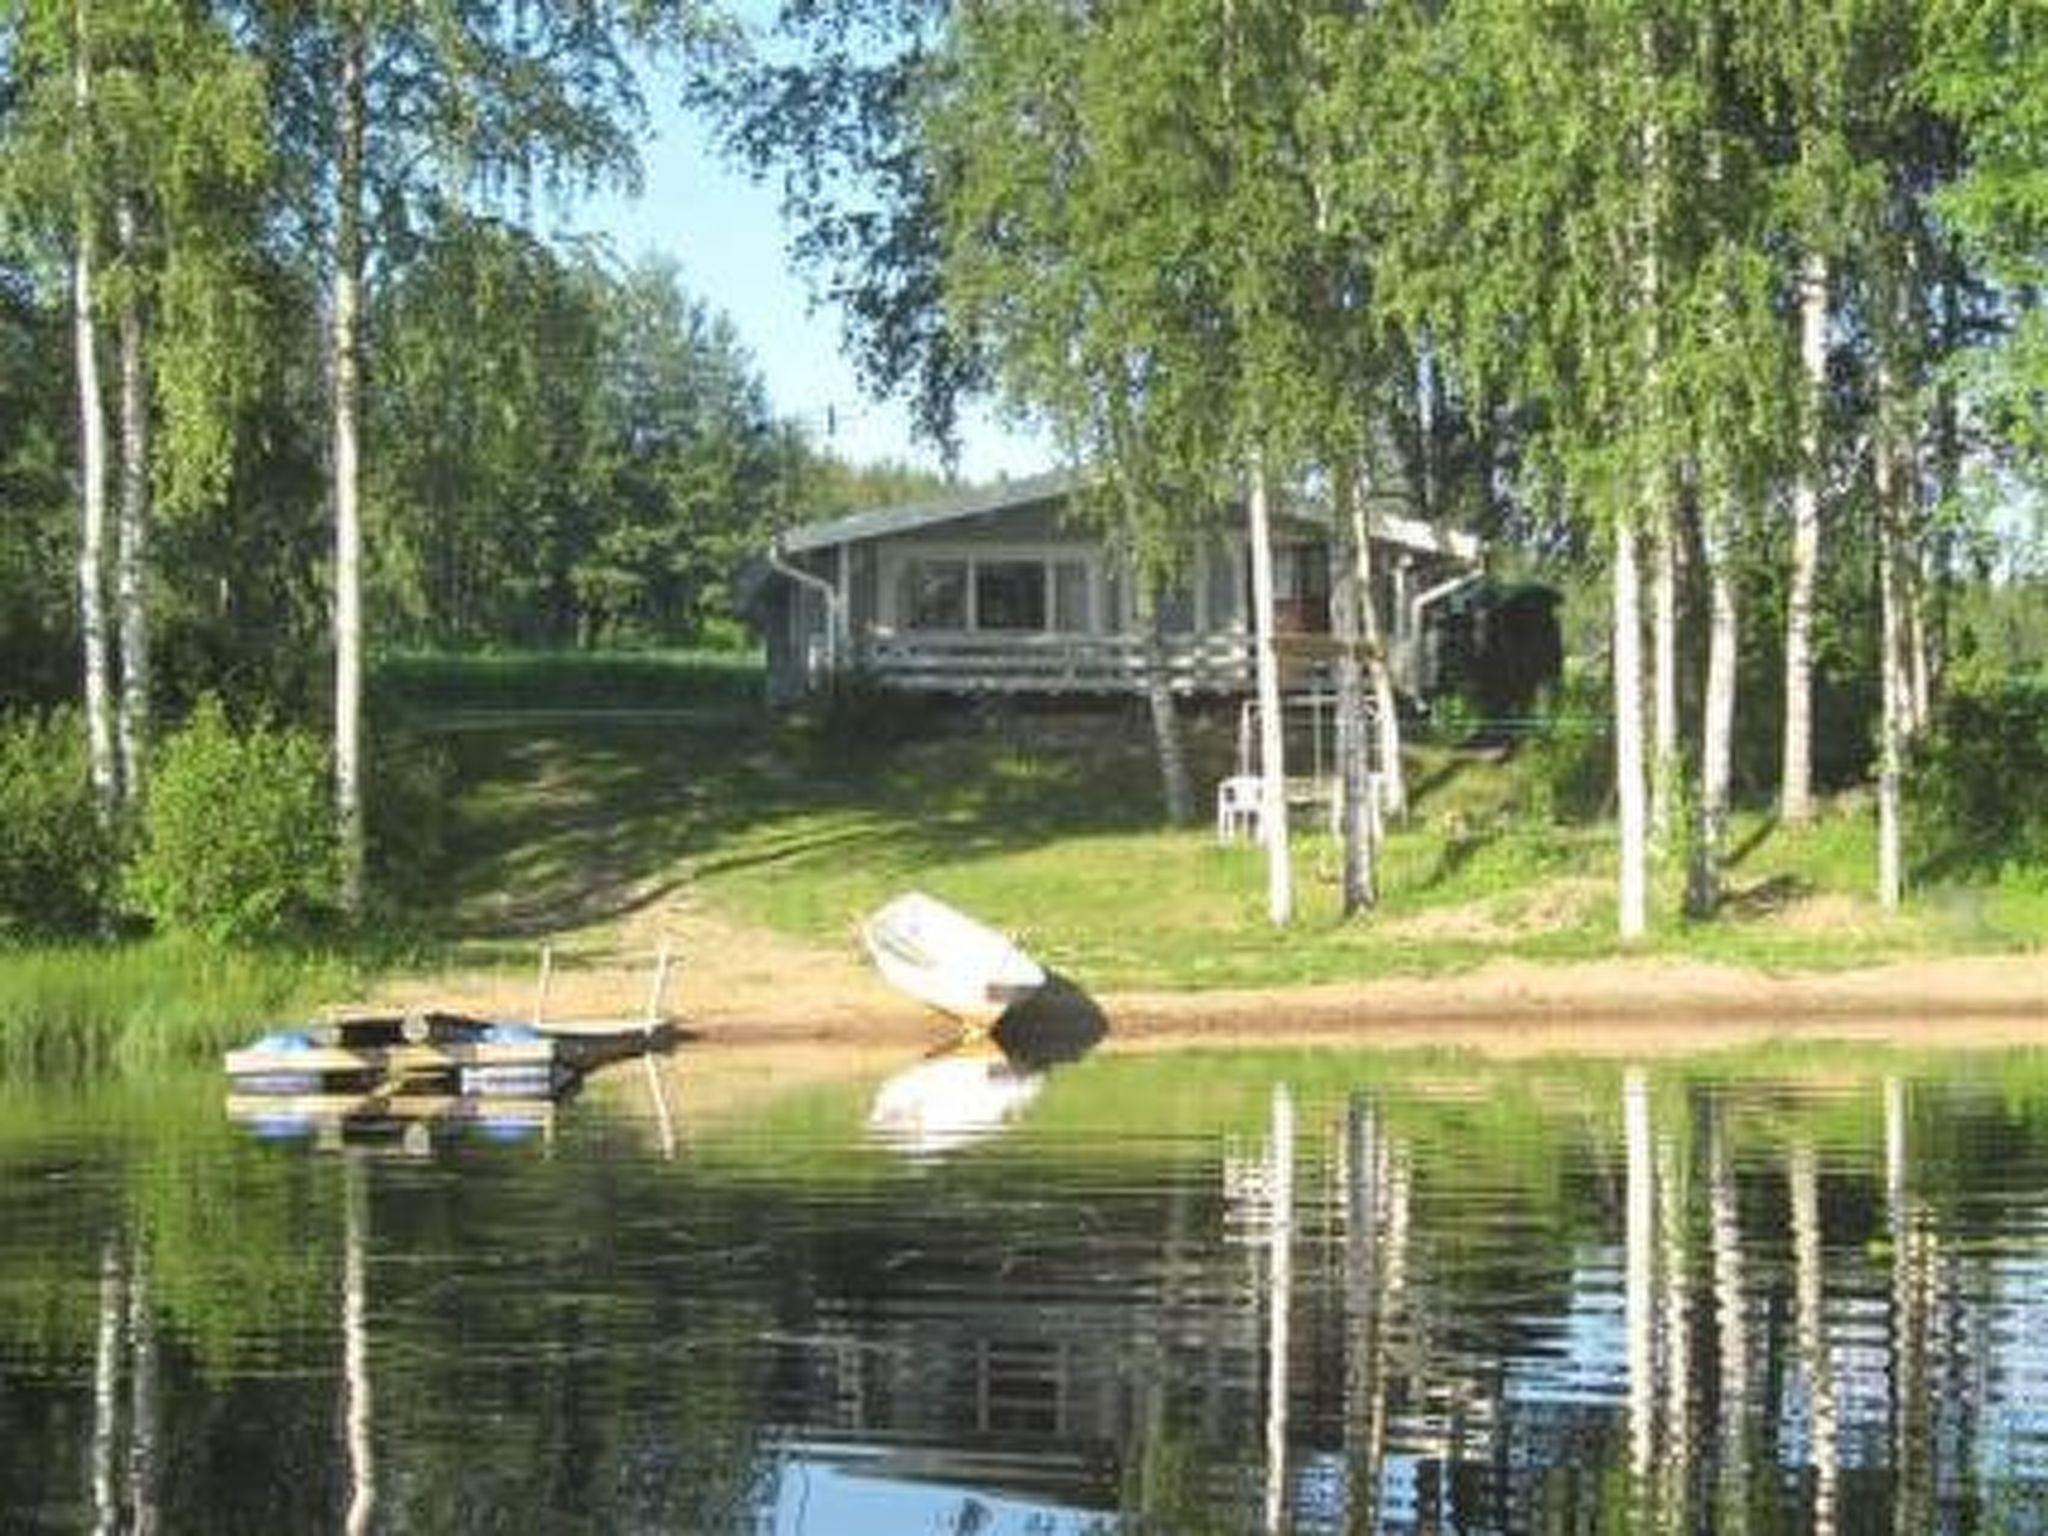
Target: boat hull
x,y
949,961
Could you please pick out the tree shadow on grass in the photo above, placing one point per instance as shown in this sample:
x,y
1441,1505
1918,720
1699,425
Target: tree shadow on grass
x,y
568,827
1766,898
1758,836
1459,850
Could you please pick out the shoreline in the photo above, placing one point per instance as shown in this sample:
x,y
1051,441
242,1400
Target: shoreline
x,y
737,986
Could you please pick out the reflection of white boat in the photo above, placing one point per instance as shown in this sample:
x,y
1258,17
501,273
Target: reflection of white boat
x,y
948,960
950,1101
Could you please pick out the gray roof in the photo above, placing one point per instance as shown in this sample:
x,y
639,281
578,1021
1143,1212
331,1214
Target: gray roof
x,y
1056,485
1006,496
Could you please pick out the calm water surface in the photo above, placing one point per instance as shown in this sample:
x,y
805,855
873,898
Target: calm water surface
x,y
1211,1292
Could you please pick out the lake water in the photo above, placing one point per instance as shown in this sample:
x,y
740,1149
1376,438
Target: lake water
x,y
1207,1292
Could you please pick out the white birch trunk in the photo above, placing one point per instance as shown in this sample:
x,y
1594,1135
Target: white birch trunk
x,y
1895,687
1628,736
1393,786
1919,651
348,531
92,462
1795,795
1717,727
1175,783
1664,770
1349,566
1272,740
131,560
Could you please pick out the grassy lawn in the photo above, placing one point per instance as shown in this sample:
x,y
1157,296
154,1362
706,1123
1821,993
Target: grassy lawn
x,y
590,787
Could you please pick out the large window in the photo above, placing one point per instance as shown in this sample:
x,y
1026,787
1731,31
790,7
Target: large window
x,y
998,594
933,594
1070,615
1009,594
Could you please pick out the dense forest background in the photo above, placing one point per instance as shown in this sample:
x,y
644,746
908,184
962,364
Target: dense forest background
x,y
1722,314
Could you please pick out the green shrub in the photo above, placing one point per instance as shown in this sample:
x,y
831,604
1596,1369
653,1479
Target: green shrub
x,y
1978,790
57,858
238,839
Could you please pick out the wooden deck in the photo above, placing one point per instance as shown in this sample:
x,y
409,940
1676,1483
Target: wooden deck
x,y
1034,663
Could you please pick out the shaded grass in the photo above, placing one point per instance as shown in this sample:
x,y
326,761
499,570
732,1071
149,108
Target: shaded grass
x,y
143,1006
1049,828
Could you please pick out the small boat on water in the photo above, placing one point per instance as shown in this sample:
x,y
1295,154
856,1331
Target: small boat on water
x,y
948,960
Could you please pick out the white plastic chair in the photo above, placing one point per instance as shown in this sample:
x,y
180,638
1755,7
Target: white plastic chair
x,y
1237,807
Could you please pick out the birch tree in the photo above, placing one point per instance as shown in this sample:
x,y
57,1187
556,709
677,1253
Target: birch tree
x,y
1525,157
397,111
140,125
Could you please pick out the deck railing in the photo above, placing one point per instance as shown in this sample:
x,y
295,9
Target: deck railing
x,y
1029,663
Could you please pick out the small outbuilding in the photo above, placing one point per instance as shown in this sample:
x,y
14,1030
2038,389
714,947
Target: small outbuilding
x,y
1007,590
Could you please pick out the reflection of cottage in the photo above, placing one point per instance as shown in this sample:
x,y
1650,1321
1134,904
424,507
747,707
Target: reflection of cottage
x,y
1004,590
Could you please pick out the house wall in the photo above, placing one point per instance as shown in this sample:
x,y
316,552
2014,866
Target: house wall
x,y
1209,603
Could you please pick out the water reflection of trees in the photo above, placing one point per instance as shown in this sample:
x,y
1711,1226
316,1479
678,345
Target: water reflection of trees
x,y
1638,1301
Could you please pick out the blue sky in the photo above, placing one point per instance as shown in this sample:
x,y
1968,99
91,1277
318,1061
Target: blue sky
x,y
729,238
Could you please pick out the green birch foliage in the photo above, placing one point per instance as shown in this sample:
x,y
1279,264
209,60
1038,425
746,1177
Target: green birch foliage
x,y
177,129
1082,255
1986,67
1521,214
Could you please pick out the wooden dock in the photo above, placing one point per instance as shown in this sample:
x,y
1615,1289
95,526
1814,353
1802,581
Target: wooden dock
x,y
383,1054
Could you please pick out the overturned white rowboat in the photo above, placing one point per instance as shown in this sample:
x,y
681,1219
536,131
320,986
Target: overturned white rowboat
x,y
946,959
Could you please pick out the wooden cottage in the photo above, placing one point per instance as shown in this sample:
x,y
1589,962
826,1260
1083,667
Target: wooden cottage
x,y
1003,590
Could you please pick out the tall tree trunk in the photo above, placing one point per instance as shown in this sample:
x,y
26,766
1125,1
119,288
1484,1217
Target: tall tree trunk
x,y
1919,647
1664,763
348,529
1717,726
92,459
1894,670
1272,738
1393,785
1175,782
131,567
1628,734
1348,566
1795,794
